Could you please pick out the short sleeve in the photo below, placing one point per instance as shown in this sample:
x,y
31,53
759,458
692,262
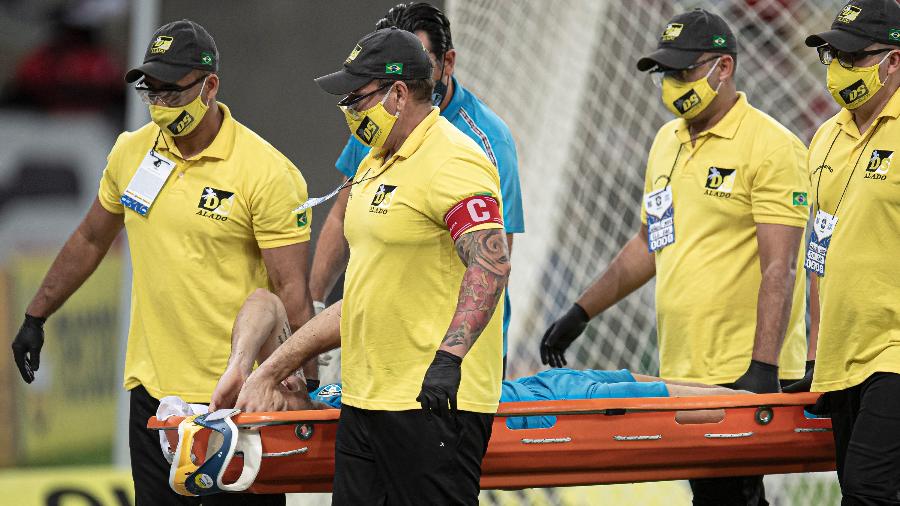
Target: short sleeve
x,y
459,179
110,190
779,191
511,191
350,158
272,205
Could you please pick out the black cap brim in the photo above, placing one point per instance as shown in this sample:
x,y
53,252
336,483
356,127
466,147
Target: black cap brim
x,y
158,70
841,40
668,58
342,82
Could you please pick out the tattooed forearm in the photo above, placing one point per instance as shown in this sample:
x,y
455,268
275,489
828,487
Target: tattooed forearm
x,y
486,256
285,332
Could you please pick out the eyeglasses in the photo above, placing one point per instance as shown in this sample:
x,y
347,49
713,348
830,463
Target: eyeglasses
x,y
170,95
659,73
352,99
827,54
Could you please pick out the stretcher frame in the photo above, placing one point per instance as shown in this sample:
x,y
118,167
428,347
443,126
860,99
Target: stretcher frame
x,y
594,441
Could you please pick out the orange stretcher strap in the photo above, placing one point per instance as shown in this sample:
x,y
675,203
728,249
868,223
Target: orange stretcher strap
x,y
595,441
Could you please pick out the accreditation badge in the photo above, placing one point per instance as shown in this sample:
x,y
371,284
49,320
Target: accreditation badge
x,y
147,182
660,219
819,240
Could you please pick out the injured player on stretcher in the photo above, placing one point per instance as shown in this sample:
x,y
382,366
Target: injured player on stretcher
x,y
261,327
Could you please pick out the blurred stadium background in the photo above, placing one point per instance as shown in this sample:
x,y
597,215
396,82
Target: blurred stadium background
x,y
560,73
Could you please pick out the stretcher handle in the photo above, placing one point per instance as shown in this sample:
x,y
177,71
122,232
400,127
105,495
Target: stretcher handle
x,y
260,419
616,406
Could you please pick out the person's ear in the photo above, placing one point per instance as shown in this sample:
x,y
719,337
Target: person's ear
x,y
449,62
893,62
726,67
212,88
402,93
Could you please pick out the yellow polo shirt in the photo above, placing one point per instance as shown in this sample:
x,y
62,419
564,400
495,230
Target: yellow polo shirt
x,y
404,274
859,296
196,255
746,170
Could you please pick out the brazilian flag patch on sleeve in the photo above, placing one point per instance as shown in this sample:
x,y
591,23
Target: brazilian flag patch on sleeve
x,y
800,199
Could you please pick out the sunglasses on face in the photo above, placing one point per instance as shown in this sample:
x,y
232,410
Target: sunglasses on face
x,y
167,94
827,54
352,99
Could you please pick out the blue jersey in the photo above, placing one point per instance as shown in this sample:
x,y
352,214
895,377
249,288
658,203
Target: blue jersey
x,y
469,114
551,385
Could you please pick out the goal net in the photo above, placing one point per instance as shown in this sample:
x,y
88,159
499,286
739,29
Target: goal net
x,y
562,75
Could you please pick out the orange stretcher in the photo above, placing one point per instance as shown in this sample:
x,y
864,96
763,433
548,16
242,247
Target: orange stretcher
x,y
596,441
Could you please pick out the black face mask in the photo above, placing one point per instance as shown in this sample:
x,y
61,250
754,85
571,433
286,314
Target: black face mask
x,y
440,89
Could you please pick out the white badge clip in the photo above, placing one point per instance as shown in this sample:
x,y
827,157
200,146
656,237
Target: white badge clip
x,y
318,200
660,219
147,182
819,240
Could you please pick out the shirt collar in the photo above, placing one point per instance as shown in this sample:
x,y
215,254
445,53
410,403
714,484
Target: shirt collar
x,y
416,137
221,146
726,128
456,101
844,117
892,108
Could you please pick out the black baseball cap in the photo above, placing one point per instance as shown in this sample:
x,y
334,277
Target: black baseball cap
x,y
176,49
861,23
389,53
686,37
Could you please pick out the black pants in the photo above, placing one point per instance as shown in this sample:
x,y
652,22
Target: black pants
x,y
150,470
866,422
408,457
731,491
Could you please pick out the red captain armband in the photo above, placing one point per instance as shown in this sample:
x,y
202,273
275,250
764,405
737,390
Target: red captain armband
x,y
471,212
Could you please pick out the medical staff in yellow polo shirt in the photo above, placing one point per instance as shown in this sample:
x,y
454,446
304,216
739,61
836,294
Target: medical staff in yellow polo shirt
x,y
208,207
420,335
723,214
852,251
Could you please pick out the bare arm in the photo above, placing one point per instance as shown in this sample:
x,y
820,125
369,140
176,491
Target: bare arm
x,y
813,317
287,271
332,252
629,270
778,248
486,256
263,390
77,260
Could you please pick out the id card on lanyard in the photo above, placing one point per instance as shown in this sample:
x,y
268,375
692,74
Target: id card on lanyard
x,y
660,219
147,182
819,240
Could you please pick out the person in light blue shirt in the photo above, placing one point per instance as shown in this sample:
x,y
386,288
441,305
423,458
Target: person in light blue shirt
x,y
564,384
459,106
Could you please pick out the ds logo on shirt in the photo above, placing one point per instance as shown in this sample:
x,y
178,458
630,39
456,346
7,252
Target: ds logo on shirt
x,y
215,204
383,198
720,182
879,164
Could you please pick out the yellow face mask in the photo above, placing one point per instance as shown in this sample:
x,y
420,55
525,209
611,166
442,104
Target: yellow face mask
x,y
688,99
372,126
853,87
180,120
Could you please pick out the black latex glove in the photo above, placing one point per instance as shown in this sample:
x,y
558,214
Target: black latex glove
x,y
803,384
760,378
441,384
561,334
312,385
27,346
